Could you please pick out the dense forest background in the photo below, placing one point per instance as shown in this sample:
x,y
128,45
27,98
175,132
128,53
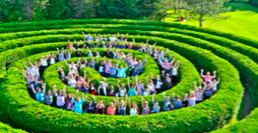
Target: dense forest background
x,y
38,10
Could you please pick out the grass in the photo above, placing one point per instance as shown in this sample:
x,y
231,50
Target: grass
x,y
242,19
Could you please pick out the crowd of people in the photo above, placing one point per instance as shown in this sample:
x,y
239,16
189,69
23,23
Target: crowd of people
x,y
154,85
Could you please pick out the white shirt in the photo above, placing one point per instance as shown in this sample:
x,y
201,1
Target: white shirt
x,y
158,85
214,86
122,92
72,66
133,111
151,88
71,83
101,68
52,61
174,71
112,39
82,66
43,62
145,93
192,101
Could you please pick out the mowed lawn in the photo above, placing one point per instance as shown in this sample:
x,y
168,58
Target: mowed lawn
x,y
242,20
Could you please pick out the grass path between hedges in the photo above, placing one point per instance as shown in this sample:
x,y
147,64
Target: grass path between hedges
x,y
241,20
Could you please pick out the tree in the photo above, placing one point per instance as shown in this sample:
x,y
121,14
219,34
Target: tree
x,y
28,7
11,10
57,9
163,8
198,9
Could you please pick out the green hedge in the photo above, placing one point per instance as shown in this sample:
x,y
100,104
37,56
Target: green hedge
x,y
187,72
223,104
7,129
237,38
244,49
245,65
247,125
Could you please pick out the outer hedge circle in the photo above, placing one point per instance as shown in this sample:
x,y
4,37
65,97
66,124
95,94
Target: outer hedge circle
x,y
183,49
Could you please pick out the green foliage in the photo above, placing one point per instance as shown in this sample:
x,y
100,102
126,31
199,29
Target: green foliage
x,y
209,115
7,129
254,2
203,117
198,9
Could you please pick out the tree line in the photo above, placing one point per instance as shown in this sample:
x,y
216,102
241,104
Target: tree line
x,y
40,10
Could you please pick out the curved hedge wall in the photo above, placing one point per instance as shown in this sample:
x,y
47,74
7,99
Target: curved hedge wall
x,y
234,58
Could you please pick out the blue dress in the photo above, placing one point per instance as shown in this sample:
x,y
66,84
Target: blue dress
x,y
78,106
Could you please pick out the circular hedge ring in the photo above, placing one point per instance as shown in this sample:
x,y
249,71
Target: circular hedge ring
x,y
233,58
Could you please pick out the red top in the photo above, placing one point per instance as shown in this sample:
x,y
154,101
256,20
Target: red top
x,y
69,46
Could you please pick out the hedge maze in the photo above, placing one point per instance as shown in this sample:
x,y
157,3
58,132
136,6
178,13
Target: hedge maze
x,y
233,57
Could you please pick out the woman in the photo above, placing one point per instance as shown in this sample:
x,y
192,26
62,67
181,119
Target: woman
x,y
174,72
49,98
207,78
60,54
156,107
33,69
177,102
192,99
122,89
60,98
207,91
121,106
69,102
168,106
39,94
69,45
83,63
185,101
146,91
151,86
112,91
85,87
62,74
139,86
90,105
111,110
52,59
131,91
92,89
68,55
199,91
81,80
214,85
44,63
134,110
71,81
121,73
78,104
102,89
100,107
145,107
112,71
101,68
107,64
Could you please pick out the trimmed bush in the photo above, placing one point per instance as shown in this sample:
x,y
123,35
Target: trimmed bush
x,y
7,129
204,117
229,94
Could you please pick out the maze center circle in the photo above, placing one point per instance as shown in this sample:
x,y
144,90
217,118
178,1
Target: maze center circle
x,y
200,47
